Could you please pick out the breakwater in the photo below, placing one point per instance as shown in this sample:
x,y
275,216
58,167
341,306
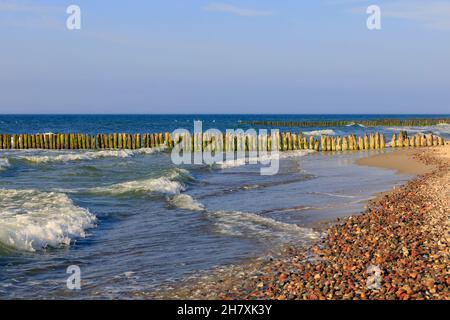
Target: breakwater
x,y
198,142
341,123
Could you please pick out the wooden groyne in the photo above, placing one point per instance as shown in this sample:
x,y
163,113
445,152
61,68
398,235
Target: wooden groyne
x,y
284,141
365,123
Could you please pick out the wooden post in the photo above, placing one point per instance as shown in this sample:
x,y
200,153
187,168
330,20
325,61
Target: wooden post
x,y
311,143
377,140
372,141
405,140
323,146
339,143
316,144
382,141
88,139
400,140
129,141
393,141
350,143
430,140
138,141
361,143
328,143
344,143
423,141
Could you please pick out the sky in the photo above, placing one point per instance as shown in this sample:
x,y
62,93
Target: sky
x,y
246,56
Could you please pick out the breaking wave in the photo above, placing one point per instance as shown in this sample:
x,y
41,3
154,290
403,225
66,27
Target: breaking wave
x,y
261,159
440,129
354,124
320,132
32,220
87,155
244,224
168,184
185,201
4,163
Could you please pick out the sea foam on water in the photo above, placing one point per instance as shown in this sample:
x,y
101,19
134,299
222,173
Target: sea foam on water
x,y
32,220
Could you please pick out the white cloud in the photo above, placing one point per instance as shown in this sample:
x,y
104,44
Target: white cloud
x,y
229,8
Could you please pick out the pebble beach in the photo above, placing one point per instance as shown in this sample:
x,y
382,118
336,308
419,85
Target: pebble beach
x,y
398,248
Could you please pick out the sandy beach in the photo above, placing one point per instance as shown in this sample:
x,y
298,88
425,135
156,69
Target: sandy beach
x,y
397,249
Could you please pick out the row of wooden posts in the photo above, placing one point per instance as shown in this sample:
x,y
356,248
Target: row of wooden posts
x,y
418,140
341,123
284,141
82,141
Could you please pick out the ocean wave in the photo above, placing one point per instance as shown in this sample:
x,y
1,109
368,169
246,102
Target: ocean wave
x,y
167,184
439,129
185,201
54,156
4,163
31,220
261,159
333,195
320,132
244,224
355,124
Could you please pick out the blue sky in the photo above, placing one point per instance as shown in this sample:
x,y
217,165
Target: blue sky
x,y
247,56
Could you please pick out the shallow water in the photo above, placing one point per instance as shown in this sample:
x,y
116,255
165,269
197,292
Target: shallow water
x,y
133,221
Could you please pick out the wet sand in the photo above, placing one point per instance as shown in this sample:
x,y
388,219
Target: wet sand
x,y
401,160
398,248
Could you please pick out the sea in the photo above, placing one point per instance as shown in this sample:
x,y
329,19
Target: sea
x,y
131,221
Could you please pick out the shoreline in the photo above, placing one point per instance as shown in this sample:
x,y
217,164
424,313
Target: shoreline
x,y
399,242
400,160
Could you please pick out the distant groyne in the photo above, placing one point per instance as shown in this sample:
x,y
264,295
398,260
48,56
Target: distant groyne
x,y
284,141
365,123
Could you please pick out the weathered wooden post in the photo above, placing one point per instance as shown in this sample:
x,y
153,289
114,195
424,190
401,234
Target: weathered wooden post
x,y
138,141
423,141
430,140
328,143
316,144
361,143
393,141
377,140
294,141
339,143
350,143
371,141
344,143
311,143
323,146
400,140
406,141
382,141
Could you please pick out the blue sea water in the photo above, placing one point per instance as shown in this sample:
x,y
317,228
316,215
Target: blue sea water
x,y
134,222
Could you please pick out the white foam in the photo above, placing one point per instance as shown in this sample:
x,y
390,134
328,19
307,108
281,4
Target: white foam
x,y
31,220
4,163
353,124
63,156
166,184
160,185
439,129
185,201
263,159
244,224
320,132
